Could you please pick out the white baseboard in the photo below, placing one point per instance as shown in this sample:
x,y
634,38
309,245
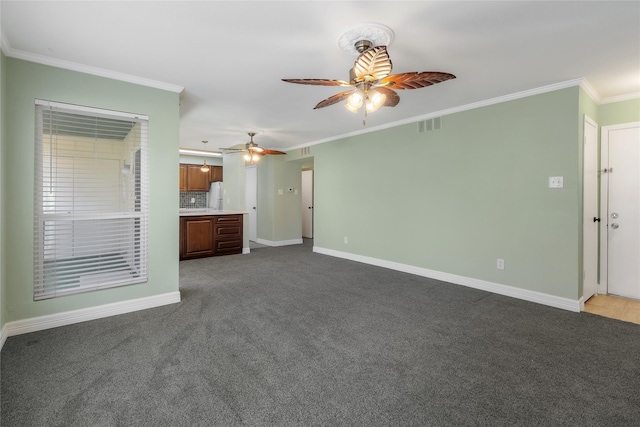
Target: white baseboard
x,y
3,336
510,291
280,242
34,324
246,251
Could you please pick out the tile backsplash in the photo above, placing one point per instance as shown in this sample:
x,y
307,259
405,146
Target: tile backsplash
x,y
199,199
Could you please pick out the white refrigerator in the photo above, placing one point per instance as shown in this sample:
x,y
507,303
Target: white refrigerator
x,y
215,196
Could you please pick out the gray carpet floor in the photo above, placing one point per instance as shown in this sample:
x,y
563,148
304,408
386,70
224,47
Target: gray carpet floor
x,y
286,337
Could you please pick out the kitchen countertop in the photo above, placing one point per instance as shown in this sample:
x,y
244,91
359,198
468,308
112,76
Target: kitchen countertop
x,y
207,212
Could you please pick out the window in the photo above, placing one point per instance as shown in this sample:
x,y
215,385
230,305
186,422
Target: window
x,y
90,207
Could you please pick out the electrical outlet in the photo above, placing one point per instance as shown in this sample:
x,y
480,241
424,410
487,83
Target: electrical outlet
x,y
193,200
500,264
556,182
346,240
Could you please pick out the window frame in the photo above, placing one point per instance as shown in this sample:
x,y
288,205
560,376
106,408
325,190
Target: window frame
x,y
129,226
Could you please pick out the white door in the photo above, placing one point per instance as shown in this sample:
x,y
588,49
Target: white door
x,y
307,204
623,209
590,209
251,200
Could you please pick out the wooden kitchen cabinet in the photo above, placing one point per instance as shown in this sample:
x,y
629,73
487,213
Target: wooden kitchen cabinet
x,y
196,179
183,177
193,179
215,173
227,234
196,237
210,235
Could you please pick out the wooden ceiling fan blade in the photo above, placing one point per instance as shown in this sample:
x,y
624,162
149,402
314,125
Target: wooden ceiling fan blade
x,y
415,80
267,151
392,98
373,64
334,99
318,82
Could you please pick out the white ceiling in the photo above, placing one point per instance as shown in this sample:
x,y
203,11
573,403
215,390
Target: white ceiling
x,y
229,56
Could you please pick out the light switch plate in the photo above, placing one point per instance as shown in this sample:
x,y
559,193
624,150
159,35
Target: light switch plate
x,y
556,182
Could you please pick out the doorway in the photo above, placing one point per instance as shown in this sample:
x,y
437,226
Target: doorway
x,y
251,200
620,210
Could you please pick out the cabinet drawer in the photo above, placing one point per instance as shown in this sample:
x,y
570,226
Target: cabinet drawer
x,y
227,246
228,219
227,226
227,230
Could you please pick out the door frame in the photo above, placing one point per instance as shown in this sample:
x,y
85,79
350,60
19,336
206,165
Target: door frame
x,y
252,218
307,192
603,286
589,191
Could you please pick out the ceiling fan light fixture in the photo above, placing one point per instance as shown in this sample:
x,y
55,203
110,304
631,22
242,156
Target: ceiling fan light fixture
x,y
253,152
354,102
251,157
351,108
375,101
370,77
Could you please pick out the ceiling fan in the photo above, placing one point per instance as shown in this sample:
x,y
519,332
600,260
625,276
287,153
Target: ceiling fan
x,y
370,80
253,151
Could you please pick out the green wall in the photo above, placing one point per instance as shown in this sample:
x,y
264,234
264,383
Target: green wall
x,y
619,112
456,199
279,215
29,81
266,199
233,176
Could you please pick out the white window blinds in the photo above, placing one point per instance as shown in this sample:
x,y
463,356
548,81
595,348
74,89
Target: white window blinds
x,y
90,208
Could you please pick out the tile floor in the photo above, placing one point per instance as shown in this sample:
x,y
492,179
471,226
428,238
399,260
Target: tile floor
x,y
614,307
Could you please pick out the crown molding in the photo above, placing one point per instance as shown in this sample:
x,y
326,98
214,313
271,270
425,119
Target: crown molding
x,y
620,98
74,66
586,86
